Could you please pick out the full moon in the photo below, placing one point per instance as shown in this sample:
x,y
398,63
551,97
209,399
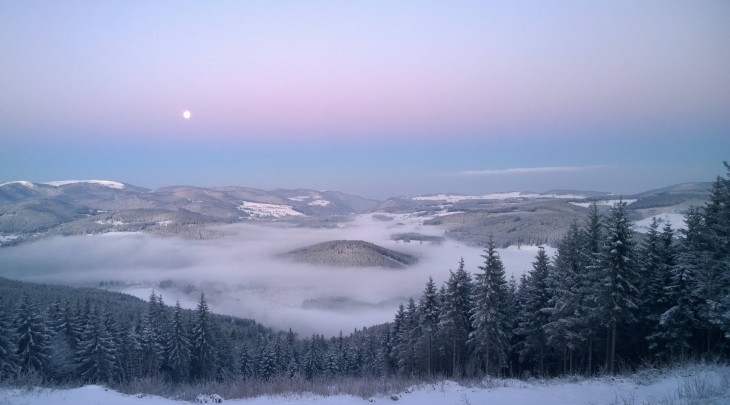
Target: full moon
x,y
186,115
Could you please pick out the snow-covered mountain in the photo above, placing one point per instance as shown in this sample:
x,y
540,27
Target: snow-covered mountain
x,y
30,210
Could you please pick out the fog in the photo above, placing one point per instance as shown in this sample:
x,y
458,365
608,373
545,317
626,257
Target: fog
x,y
242,275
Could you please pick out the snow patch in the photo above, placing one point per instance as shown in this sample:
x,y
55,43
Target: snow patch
x,y
602,202
321,203
106,183
667,386
263,210
677,221
455,198
21,182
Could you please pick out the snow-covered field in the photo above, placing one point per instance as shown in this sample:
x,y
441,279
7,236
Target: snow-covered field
x,y
263,210
677,221
686,385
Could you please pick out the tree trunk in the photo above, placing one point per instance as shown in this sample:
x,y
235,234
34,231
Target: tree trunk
x,y
613,345
590,354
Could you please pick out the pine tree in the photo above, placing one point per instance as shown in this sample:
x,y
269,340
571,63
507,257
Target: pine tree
x,y
394,339
313,362
535,311
203,346
619,295
489,318
565,282
657,260
8,362
715,280
454,320
178,347
96,354
32,338
429,309
409,332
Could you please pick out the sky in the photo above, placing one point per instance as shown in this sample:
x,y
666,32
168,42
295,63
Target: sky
x,y
374,98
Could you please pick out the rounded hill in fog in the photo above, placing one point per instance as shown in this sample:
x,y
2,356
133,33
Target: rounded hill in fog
x,y
350,253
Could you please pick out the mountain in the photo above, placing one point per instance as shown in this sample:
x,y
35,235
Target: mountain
x,y
29,211
350,253
33,210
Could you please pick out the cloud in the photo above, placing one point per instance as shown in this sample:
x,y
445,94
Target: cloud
x,y
529,170
242,275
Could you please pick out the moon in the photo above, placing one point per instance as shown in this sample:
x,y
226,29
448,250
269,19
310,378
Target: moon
x,y
186,114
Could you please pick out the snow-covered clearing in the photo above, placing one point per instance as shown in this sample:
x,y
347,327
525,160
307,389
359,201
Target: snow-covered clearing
x,y
105,183
687,385
677,221
263,210
603,202
454,198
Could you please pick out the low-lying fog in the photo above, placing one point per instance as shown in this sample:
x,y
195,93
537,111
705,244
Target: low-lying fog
x,y
242,276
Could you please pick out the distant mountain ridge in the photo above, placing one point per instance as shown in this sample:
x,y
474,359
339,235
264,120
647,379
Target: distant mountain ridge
x,y
31,210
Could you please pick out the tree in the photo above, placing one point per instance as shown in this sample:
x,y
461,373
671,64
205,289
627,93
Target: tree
x,y
178,347
32,345
454,320
489,318
313,361
8,362
619,295
428,309
535,311
96,354
203,346
566,328
657,261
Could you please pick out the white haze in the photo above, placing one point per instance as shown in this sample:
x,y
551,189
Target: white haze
x,y
242,276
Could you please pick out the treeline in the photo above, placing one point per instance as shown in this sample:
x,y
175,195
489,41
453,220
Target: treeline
x,y
603,302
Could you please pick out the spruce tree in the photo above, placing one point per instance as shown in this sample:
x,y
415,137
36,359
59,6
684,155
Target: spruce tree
x,y
619,295
96,354
32,337
490,321
429,309
454,320
178,347
8,362
535,312
203,346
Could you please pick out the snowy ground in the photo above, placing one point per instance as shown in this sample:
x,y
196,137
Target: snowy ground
x,y
687,385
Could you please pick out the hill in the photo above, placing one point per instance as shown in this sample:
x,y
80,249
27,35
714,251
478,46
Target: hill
x,y
350,253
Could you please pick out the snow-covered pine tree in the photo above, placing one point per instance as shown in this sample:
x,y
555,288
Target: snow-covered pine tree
x,y
394,339
619,294
657,257
203,346
715,281
313,361
535,313
96,354
32,337
409,333
429,309
178,347
489,317
564,284
590,279
454,320
8,362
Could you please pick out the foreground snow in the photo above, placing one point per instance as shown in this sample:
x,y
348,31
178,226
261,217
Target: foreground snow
x,y
695,384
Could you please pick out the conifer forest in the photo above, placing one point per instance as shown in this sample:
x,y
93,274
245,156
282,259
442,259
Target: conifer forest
x,y
607,301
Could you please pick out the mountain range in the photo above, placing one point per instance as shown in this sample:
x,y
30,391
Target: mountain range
x,y
29,210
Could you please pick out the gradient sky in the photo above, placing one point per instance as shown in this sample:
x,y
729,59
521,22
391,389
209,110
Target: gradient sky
x,y
377,98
